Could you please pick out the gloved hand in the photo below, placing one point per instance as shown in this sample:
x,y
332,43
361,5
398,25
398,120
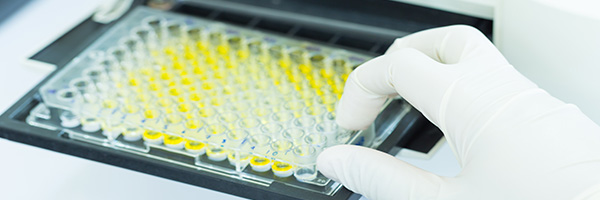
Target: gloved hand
x,y
512,139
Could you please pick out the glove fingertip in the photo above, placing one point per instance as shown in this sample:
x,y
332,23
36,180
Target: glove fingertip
x,y
332,159
359,106
346,118
328,160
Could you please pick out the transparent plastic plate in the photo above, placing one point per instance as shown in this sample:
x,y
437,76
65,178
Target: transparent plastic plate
x,y
224,95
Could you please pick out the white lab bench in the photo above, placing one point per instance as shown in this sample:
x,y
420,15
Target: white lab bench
x,y
28,172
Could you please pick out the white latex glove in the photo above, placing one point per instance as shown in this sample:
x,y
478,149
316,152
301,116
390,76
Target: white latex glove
x,y
512,139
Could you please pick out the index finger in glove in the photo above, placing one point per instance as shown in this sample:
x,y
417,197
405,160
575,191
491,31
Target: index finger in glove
x,y
420,67
451,45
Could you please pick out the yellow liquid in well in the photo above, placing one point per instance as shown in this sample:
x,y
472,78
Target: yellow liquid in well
x,y
281,166
193,82
152,135
194,145
172,139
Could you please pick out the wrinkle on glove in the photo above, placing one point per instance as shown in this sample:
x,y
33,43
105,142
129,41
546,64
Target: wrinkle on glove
x,y
512,139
